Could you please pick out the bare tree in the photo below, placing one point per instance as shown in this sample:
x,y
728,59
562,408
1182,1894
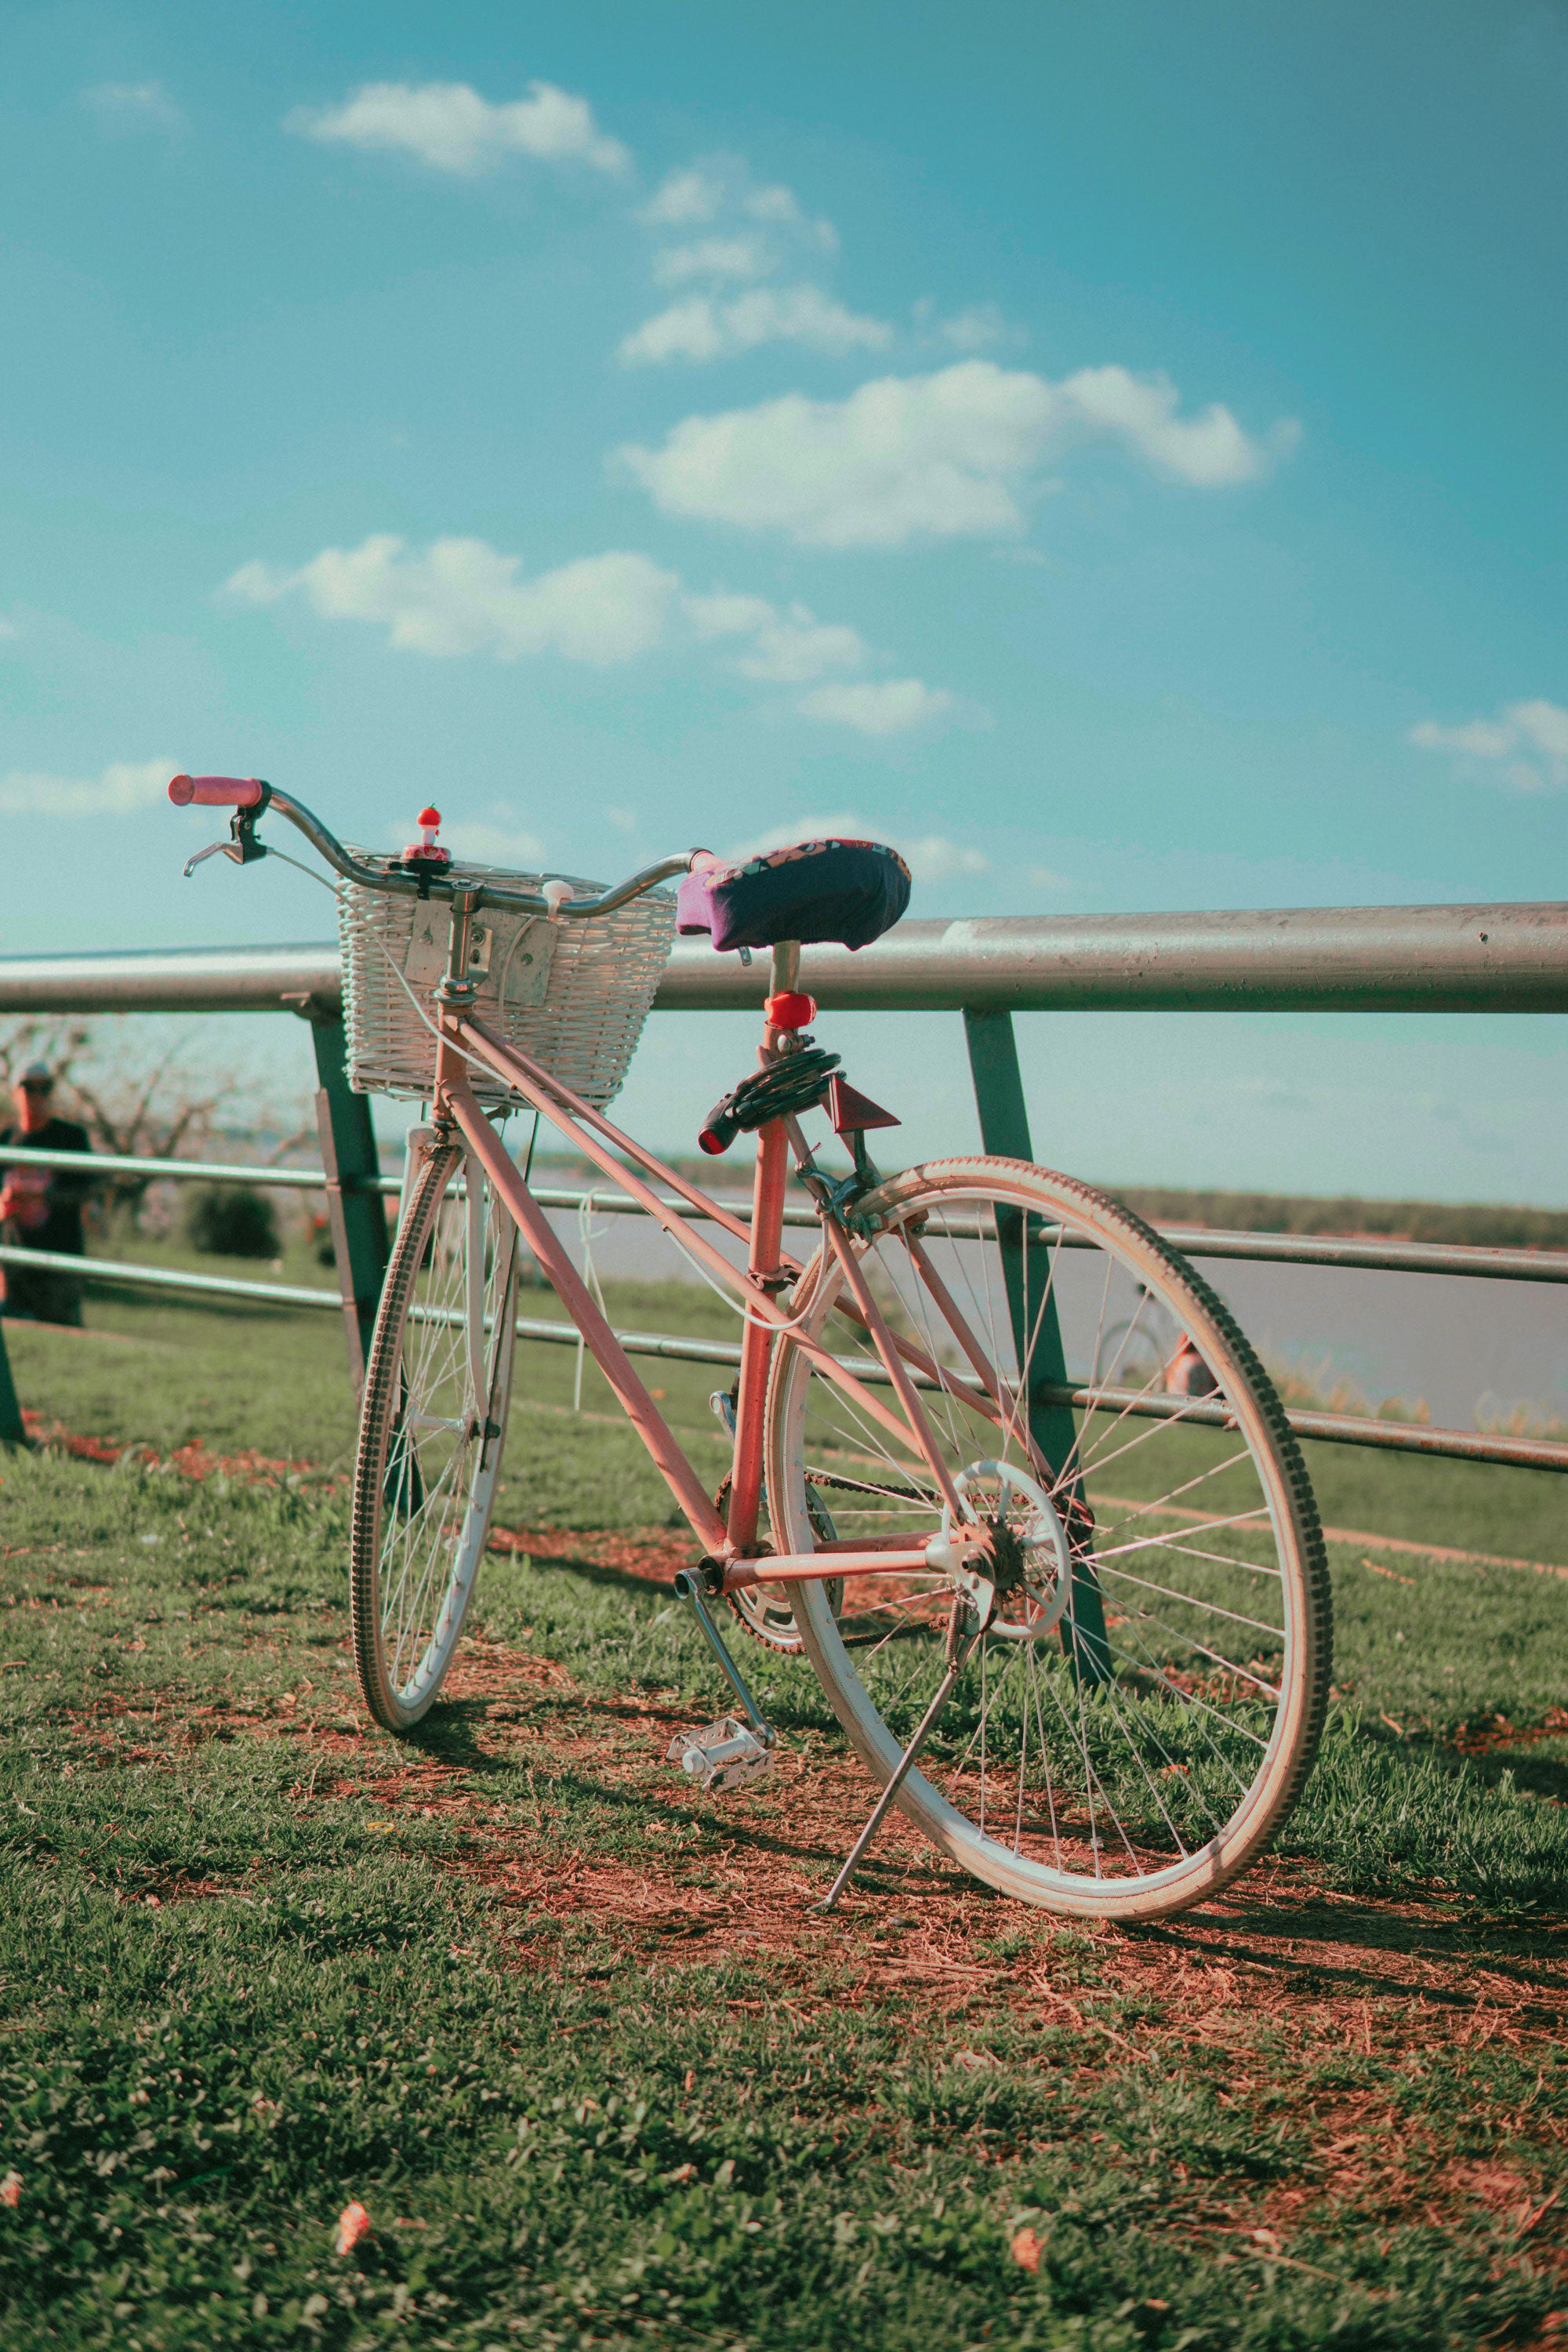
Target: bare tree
x,y
142,1099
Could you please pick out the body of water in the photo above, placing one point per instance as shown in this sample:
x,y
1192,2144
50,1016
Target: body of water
x,y
1473,1351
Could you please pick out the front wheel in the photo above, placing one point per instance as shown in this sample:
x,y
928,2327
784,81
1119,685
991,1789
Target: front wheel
x,y
1143,1706
432,1425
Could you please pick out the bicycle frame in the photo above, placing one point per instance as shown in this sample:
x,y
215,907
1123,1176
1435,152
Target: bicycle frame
x,y
728,1544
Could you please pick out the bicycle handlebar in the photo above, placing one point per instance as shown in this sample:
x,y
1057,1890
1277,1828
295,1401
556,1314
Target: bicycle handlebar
x,y
216,791
248,792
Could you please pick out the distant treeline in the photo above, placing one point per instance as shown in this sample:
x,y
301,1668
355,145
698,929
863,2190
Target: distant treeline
x,y
1474,1222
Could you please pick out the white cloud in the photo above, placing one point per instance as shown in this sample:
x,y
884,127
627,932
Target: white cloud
x,y
684,199
974,330
787,649
122,788
954,453
697,195
498,840
1544,724
702,328
9,629
886,706
934,858
450,127
780,207
1044,877
462,596
123,106
931,858
1481,738
775,203
711,256
1527,742
624,820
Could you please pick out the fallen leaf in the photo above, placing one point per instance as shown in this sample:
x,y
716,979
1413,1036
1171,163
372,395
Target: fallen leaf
x,y
354,2224
1392,1575
1028,2250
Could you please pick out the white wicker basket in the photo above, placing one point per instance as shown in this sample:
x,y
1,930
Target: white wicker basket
x,y
571,995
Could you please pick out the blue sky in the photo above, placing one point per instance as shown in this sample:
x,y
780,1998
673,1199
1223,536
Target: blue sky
x,y
1114,453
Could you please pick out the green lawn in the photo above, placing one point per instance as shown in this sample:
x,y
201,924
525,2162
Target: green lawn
x,y
572,2034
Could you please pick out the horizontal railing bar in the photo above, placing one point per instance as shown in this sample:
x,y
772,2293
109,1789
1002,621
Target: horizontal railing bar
x,y
168,1278
1443,958
183,1171
1333,1428
1384,1256
1452,958
1194,1241
668,1344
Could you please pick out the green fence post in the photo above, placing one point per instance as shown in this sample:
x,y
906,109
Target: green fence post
x,y
1005,1129
12,1430
356,1213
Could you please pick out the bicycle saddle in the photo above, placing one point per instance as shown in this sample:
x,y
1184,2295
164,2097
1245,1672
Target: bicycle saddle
x,y
848,892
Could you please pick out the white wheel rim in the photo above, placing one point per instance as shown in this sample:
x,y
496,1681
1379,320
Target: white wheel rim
x,y
1141,1888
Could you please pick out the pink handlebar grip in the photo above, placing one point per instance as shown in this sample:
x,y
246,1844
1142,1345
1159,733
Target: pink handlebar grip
x,y
216,791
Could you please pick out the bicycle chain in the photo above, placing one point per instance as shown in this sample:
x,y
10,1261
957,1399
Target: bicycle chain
x,y
858,1486
1077,1515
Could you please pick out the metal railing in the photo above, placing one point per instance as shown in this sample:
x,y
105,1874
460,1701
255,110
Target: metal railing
x,y
1479,958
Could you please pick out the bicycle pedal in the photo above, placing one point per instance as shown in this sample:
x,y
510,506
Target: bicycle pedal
x,y
722,1754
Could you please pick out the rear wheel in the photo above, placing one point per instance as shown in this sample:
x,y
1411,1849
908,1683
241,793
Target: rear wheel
x,y
432,1426
1143,1705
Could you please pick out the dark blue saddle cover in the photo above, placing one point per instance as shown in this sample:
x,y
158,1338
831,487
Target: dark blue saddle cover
x,y
846,891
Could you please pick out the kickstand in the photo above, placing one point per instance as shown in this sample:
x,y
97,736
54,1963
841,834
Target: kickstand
x,y
687,1585
959,1653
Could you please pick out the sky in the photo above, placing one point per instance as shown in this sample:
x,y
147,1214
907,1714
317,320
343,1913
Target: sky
x,y
1113,454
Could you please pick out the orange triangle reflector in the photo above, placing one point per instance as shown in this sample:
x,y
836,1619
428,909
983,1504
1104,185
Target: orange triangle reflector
x,y
849,1110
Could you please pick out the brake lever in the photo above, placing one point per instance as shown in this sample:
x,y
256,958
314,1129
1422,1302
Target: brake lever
x,y
241,846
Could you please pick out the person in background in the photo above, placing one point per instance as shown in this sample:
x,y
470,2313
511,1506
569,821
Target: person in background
x,y
40,1208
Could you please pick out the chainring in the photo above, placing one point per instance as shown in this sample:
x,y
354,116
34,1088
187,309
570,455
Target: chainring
x,y
769,1617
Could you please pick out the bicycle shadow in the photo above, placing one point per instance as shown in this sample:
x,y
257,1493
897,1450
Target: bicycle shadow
x,y
450,1735
1310,1940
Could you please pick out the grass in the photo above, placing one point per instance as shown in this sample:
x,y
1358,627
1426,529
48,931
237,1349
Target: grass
x,y
572,2035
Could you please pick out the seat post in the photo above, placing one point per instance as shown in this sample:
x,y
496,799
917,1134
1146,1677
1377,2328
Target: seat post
x,y
786,965
767,1232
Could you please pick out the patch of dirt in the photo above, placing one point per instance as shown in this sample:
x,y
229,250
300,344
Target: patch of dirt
x,y
646,1554
192,1460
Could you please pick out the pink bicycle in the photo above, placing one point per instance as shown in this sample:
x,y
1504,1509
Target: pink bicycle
x,y
1076,1625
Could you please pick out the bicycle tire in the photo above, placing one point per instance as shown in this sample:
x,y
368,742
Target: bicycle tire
x,y
1153,1691
425,1479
